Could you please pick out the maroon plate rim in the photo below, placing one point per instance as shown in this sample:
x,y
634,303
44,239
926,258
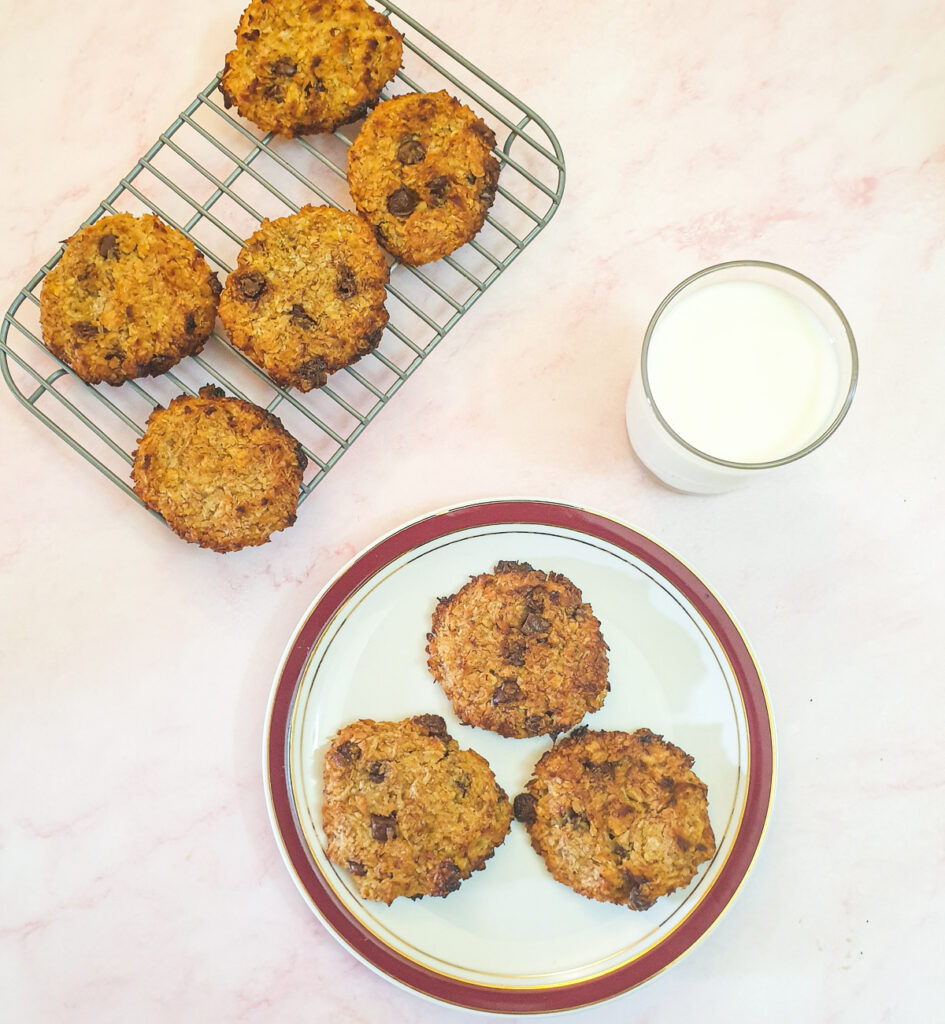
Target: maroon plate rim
x,y
554,998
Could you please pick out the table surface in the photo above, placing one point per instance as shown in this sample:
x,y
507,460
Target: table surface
x,y
139,879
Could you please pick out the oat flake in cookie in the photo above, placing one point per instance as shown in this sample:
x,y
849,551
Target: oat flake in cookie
x,y
519,652
223,473
129,298
304,66
421,170
406,812
307,296
619,817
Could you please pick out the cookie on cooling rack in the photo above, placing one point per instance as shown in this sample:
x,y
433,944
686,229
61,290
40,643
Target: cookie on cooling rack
x,y
407,812
619,817
130,297
303,66
421,170
307,296
223,473
517,651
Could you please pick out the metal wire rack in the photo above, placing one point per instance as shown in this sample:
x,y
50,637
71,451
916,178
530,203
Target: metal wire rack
x,y
214,177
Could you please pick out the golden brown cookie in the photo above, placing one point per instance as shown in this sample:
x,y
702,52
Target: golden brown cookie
x,y
517,651
421,170
223,473
307,296
407,812
619,817
304,66
130,297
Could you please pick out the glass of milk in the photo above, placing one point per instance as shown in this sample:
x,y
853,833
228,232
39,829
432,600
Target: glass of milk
x,y
745,366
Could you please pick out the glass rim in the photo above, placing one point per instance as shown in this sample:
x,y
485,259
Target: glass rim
x,y
780,269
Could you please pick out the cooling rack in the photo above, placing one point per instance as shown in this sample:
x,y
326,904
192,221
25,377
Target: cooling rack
x,y
214,176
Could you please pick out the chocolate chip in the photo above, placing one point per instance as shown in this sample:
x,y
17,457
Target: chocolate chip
x,y
533,725
283,67
374,337
315,62
602,770
411,150
581,730
108,246
513,651
667,783
508,692
313,372
190,323
215,285
84,329
384,827
446,879
619,851
534,624
470,178
683,844
347,753
645,736
432,725
403,202
300,318
346,283
377,771
241,510
252,35
438,187
525,809
535,600
251,284
357,868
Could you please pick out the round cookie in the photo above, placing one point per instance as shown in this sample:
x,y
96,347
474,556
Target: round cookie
x,y
307,296
619,817
130,297
407,812
303,66
518,652
421,170
223,473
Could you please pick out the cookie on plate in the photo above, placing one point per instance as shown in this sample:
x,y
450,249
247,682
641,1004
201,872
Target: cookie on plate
x,y
406,812
223,473
421,170
307,296
130,297
519,652
619,817
303,66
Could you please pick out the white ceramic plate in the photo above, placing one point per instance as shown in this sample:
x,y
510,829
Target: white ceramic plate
x,y
512,939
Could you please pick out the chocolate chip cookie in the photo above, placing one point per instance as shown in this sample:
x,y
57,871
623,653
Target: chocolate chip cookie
x,y
406,812
307,296
303,66
130,297
619,817
223,473
421,170
517,651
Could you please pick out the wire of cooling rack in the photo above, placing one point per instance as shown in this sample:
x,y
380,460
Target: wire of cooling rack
x,y
214,177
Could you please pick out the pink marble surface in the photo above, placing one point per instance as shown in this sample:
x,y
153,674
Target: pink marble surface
x,y
139,880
